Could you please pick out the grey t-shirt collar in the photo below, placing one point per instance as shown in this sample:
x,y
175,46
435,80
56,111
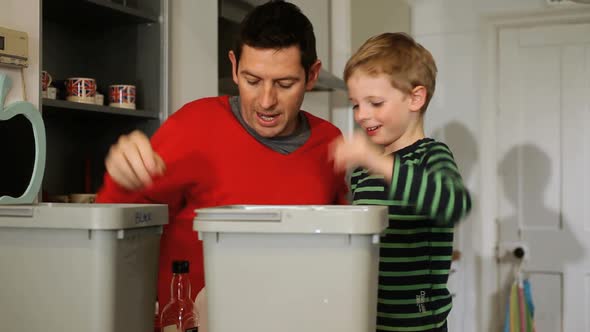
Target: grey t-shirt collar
x,y
282,144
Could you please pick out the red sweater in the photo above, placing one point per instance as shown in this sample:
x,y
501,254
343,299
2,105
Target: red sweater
x,y
212,160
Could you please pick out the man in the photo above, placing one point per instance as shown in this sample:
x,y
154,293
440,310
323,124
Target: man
x,y
256,148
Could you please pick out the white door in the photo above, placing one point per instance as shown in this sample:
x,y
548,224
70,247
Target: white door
x,y
543,151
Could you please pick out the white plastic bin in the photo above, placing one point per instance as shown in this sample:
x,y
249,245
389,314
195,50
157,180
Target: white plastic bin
x,y
291,268
79,267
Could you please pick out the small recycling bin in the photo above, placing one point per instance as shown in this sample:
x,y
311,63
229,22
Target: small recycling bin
x,y
291,268
79,267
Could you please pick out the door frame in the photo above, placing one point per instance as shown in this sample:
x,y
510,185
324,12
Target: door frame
x,y
489,308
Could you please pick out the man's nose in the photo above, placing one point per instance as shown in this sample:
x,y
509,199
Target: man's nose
x,y
269,97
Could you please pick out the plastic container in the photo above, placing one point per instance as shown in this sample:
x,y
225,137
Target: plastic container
x,y
291,268
79,267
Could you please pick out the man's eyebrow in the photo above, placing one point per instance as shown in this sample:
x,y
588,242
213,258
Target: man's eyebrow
x,y
286,78
245,72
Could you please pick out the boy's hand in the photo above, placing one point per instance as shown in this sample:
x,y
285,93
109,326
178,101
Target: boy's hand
x,y
132,163
354,152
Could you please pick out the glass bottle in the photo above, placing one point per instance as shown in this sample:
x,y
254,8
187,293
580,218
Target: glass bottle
x,y
178,315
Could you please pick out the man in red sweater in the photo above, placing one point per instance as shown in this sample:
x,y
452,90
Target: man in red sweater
x,y
255,148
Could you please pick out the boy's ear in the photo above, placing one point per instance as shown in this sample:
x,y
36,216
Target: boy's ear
x,y
417,98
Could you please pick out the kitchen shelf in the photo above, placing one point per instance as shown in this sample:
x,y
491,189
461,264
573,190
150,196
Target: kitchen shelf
x,y
96,11
234,10
113,42
54,106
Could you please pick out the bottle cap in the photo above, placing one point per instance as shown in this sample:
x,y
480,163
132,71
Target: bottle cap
x,y
180,267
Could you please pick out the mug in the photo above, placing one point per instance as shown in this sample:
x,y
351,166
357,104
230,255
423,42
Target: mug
x,y
46,80
99,99
51,93
82,198
81,89
122,95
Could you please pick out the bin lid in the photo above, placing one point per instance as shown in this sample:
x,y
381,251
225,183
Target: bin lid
x,y
83,216
327,219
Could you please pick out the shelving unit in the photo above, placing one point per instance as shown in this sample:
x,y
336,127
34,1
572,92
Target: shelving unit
x,y
98,11
114,42
67,107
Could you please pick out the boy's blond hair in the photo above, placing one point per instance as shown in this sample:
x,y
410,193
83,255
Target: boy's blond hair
x,y
398,55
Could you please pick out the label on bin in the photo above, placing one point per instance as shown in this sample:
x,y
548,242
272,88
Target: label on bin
x,y
142,217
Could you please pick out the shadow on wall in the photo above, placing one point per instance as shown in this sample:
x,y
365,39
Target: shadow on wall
x,y
524,175
463,144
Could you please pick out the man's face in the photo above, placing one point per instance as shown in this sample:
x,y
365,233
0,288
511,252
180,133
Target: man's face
x,y
272,84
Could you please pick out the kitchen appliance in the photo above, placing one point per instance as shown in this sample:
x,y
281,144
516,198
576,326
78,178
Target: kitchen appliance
x,y
14,49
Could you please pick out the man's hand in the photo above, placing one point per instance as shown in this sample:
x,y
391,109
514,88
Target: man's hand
x,y
132,163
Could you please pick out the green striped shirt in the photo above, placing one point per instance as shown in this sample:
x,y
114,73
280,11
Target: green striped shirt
x,y
426,197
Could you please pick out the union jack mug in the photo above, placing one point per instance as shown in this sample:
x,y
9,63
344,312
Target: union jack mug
x,y
122,95
81,89
45,81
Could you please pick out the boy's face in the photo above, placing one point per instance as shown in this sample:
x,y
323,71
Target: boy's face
x,y
387,115
272,85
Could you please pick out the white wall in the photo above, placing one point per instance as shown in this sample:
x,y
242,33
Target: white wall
x,y
453,31
193,51
24,15
371,17
318,12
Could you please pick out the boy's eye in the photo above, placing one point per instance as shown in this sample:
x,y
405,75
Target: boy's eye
x,y
376,104
355,107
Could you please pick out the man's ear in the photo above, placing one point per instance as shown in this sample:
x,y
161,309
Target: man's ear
x,y
234,65
313,74
417,98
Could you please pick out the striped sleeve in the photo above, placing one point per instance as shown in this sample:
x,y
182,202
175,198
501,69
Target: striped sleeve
x,y
434,186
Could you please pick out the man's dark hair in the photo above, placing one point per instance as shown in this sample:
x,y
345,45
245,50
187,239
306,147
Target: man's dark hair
x,y
277,25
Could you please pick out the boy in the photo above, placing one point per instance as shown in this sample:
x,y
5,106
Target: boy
x,y
391,80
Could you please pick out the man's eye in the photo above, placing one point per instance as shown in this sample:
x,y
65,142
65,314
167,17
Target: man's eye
x,y
252,82
285,85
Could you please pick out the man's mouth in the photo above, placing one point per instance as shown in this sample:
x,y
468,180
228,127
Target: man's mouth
x,y
267,118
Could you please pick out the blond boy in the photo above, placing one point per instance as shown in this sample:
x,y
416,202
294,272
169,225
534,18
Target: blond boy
x,y
391,80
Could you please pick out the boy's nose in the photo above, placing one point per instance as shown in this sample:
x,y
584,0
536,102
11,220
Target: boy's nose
x,y
361,113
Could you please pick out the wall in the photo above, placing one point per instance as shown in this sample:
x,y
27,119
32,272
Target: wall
x,y
318,12
24,15
193,51
371,17
453,31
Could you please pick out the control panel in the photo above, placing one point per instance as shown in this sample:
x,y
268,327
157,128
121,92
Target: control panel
x,y
14,50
